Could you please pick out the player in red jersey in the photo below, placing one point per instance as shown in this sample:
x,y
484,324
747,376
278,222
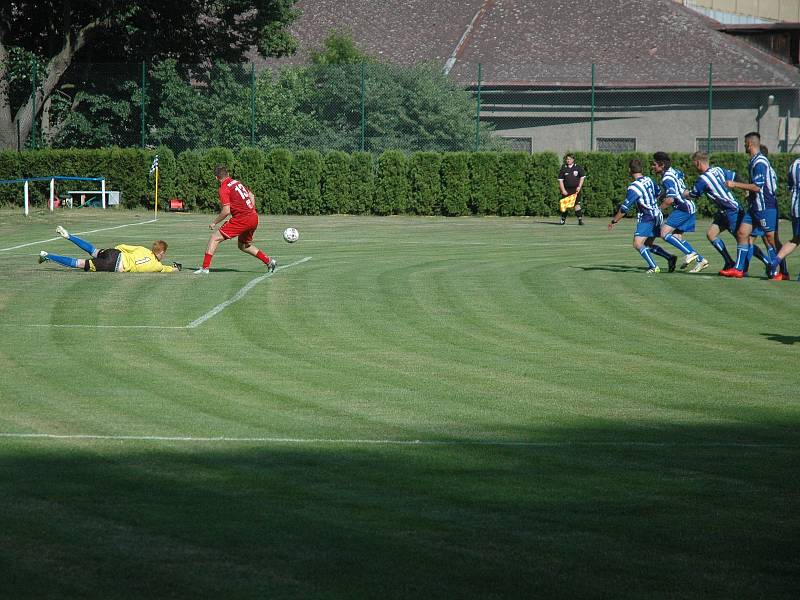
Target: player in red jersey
x,y
238,203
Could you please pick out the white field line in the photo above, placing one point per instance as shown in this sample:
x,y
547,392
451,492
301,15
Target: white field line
x,y
389,442
239,295
79,233
198,321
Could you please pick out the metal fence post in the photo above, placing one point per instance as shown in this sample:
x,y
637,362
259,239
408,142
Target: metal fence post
x,y
786,131
709,149
591,120
363,88
19,138
252,105
143,109
478,111
34,75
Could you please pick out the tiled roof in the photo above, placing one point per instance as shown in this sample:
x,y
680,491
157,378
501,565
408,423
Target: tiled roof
x,y
546,42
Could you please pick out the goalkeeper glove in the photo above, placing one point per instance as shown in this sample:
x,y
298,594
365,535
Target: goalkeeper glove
x,y
177,265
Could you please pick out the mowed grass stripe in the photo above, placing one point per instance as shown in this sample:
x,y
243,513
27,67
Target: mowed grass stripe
x,y
583,427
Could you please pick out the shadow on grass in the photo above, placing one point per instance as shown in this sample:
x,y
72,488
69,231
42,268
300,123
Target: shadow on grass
x,y
614,268
782,339
667,515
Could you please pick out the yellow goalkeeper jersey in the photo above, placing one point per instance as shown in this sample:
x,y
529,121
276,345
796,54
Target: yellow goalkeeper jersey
x,y
138,259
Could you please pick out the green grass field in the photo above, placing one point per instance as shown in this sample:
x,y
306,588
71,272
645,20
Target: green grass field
x,y
428,407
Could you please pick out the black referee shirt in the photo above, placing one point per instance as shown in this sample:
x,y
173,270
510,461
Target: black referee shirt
x,y
571,176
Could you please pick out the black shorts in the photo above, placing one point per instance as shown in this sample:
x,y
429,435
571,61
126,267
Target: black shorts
x,y
106,260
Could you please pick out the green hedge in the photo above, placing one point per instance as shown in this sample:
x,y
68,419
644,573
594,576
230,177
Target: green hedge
x,y
362,183
392,188
306,182
424,174
126,170
455,184
336,183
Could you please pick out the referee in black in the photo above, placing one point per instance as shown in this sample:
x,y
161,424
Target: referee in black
x,y
570,180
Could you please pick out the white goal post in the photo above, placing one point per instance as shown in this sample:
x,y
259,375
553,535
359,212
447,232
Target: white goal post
x,y
27,180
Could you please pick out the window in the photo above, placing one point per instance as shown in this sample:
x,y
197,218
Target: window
x,y
616,144
519,144
718,144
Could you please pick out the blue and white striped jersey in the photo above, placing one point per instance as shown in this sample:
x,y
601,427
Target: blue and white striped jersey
x,y
644,194
674,183
763,175
794,186
712,184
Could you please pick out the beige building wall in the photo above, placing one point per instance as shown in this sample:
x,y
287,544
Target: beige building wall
x,y
772,10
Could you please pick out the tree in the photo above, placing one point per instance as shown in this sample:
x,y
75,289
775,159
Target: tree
x,y
59,33
409,108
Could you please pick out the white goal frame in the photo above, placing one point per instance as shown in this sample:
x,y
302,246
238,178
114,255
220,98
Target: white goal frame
x,y
52,179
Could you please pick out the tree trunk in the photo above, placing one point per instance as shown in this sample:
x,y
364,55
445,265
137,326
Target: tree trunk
x,y
53,73
8,134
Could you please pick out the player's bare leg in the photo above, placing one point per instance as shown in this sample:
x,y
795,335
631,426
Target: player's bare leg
x,y
213,242
253,251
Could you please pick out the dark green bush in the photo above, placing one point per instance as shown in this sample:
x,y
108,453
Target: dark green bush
x,y
542,180
455,184
512,185
277,171
250,169
504,183
483,183
362,183
426,183
305,194
336,188
392,187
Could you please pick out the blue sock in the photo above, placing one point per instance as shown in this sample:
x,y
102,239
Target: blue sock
x,y
82,244
774,266
719,246
645,252
660,251
772,253
678,243
67,261
742,251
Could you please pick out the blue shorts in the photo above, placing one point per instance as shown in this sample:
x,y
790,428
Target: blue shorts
x,y
647,229
729,219
681,221
760,222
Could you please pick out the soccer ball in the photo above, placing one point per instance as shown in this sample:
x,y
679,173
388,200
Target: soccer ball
x,y
291,235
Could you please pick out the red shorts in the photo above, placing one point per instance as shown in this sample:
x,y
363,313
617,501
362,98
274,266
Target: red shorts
x,y
242,227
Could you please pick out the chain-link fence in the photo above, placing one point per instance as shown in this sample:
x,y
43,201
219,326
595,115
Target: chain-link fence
x,y
374,107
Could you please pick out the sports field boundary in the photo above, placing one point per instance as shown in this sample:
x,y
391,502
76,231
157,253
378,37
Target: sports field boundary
x,y
390,442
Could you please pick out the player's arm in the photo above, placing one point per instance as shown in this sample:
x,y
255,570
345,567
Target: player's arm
x,y
668,194
623,208
698,189
740,185
759,178
224,213
580,183
561,185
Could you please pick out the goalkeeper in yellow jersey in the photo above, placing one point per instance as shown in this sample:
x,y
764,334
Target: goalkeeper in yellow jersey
x,y
121,259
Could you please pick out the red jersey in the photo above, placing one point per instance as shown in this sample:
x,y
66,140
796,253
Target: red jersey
x,y
237,196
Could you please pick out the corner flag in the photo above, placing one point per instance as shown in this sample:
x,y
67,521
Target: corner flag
x,y
154,168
